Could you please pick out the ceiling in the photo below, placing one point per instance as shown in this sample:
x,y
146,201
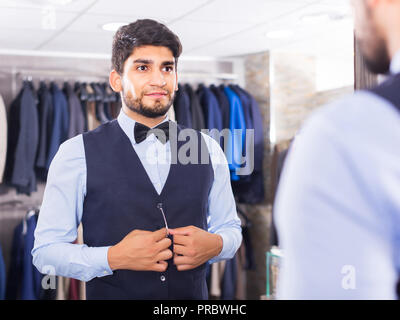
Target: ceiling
x,y
211,28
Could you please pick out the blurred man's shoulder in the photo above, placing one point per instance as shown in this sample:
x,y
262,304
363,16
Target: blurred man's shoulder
x,y
360,111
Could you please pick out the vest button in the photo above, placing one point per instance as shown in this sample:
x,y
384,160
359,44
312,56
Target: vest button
x,y
162,278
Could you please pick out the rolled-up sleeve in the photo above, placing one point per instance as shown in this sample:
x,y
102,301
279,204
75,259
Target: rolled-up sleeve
x,y
60,216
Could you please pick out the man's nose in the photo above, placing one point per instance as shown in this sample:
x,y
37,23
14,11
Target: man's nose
x,y
157,79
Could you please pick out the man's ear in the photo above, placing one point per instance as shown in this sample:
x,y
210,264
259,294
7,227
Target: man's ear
x,y
115,81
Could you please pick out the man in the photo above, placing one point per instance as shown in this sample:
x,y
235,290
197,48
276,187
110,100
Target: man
x,y
338,207
131,193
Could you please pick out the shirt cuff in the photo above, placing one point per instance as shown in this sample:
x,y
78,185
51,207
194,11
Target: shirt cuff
x,y
98,256
226,248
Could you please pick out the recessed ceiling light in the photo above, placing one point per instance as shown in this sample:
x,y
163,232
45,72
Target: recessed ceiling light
x,y
279,34
113,26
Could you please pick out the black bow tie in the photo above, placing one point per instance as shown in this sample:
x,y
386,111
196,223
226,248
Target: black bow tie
x,y
141,131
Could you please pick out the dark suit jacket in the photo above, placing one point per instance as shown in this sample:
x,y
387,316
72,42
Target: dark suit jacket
x,y
210,107
223,104
251,190
60,122
23,141
183,115
76,117
45,111
198,122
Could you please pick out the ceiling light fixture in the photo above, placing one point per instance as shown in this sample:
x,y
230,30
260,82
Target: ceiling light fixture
x,y
113,26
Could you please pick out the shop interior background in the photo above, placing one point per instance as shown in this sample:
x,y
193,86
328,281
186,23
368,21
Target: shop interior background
x,y
292,55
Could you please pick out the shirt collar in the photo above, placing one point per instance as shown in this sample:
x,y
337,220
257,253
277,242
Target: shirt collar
x,y
127,125
395,64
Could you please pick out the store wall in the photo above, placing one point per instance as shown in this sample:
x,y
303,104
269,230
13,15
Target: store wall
x,y
300,84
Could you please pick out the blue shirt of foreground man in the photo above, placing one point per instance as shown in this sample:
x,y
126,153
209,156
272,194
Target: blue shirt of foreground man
x,y
338,207
150,221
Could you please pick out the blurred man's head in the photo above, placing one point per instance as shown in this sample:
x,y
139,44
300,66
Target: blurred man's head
x,y
377,31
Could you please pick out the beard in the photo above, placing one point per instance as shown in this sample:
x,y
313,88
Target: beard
x,y
376,55
372,44
137,105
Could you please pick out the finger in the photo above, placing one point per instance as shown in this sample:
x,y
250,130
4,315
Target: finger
x,y
181,260
164,255
137,232
160,234
184,267
163,244
178,249
184,231
182,240
160,266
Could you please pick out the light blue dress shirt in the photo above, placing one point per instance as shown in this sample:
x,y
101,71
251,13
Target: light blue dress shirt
x,y
338,203
62,207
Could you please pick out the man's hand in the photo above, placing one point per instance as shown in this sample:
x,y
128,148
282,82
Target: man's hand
x,y
194,246
141,251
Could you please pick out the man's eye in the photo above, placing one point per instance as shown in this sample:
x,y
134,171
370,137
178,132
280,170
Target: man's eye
x,y
141,68
169,69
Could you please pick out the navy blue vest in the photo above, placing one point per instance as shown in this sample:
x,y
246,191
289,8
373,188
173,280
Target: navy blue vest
x,y
390,91
121,198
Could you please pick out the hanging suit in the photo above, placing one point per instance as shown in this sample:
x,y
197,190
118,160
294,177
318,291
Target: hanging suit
x,y
182,107
250,189
80,91
198,122
223,104
235,143
76,117
2,276
45,111
211,111
60,122
24,280
23,141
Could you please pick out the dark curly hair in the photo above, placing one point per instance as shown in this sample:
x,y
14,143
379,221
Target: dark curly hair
x,y
141,33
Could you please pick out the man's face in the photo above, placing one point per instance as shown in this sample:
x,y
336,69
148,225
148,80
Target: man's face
x,y
372,43
149,81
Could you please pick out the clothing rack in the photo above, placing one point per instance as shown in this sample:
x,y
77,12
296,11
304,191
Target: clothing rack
x,y
51,74
59,75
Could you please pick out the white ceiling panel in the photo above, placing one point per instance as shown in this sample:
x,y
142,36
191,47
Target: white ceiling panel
x,y
32,19
250,11
87,42
193,33
165,10
21,39
69,6
318,27
94,22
